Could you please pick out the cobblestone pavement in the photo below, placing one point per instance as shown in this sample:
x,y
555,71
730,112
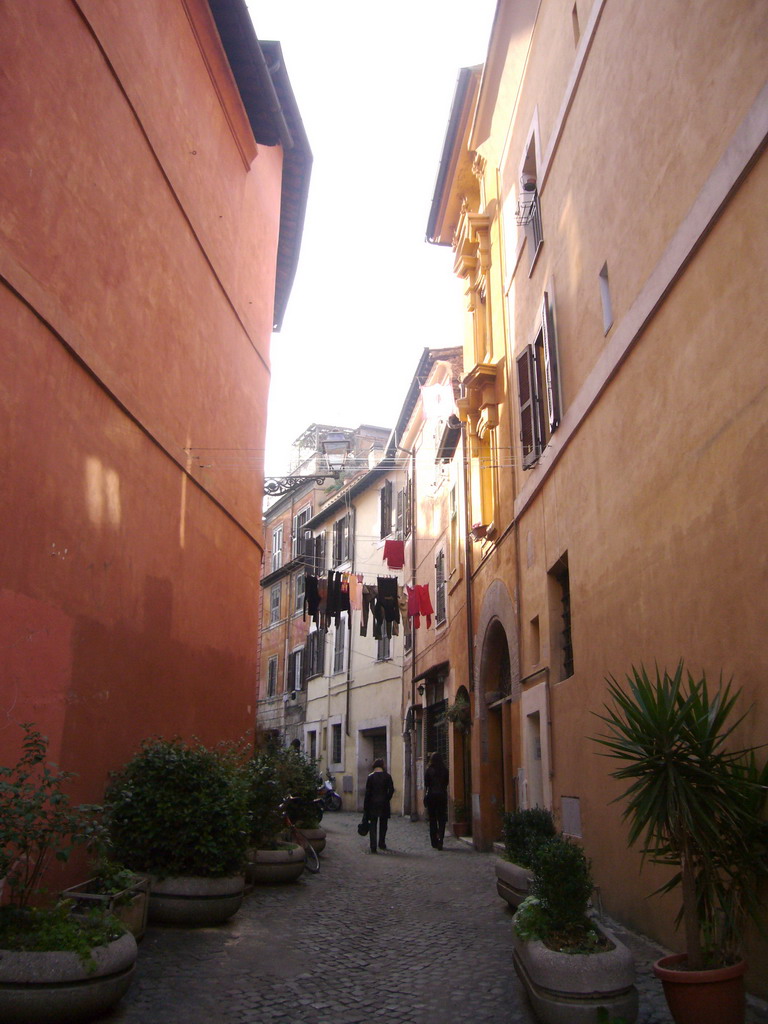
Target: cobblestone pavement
x,y
409,936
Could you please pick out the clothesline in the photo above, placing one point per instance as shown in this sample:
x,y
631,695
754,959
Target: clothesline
x,y
387,602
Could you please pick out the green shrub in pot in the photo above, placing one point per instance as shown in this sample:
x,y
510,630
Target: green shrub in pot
x,y
180,809
523,831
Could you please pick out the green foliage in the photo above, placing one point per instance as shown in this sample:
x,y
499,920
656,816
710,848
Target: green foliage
x,y
275,773
30,929
562,880
460,811
457,714
691,802
37,822
180,809
524,831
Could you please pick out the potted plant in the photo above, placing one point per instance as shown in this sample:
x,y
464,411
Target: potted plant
x,y
457,714
460,823
523,832
179,813
297,776
271,860
117,890
54,966
573,968
693,804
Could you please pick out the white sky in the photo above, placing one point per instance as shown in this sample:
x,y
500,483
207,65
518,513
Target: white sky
x,y
374,84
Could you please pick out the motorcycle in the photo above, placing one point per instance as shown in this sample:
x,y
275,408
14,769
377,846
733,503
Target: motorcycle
x,y
330,799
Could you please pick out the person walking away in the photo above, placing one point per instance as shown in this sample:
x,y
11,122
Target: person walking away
x,y
436,798
379,789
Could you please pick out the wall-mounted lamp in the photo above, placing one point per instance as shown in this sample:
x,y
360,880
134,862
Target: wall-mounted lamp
x,y
335,447
420,689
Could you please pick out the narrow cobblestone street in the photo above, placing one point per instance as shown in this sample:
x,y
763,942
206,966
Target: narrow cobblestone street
x,y
409,935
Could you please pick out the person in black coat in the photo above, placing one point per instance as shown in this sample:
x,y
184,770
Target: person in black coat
x,y
436,798
378,792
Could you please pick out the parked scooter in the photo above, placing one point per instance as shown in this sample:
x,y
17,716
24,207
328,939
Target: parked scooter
x,y
327,794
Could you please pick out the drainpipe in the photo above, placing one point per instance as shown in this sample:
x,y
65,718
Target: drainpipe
x,y
468,585
414,812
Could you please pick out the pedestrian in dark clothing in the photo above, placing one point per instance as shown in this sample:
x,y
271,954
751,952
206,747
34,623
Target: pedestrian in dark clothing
x,y
378,792
436,798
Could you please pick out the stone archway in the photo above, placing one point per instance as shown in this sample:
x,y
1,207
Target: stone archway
x,y
497,691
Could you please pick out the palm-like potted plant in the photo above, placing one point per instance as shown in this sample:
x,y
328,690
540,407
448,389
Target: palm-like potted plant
x,y
523,832
178,812
53,965
694,803
572,966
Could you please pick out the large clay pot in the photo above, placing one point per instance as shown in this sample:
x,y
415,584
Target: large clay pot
x,y
195,902
275,867
317,837
512,881
59,988
572,988
696,996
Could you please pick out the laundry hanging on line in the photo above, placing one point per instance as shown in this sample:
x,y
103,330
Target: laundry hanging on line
x,y
386,603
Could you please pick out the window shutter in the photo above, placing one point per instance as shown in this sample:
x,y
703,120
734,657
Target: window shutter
x,y
550,364
400,514
527,397
440,587
386,508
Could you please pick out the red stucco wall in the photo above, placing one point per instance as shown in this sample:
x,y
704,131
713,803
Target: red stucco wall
x,y
137,253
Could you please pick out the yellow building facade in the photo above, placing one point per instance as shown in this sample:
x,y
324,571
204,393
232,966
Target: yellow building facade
x,y
604,185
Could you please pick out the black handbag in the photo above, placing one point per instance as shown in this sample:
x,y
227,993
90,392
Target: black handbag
x,y
364,827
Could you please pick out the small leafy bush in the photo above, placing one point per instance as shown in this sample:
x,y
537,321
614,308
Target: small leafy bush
x,y
180,809
556,910
35,930
275,773
524,831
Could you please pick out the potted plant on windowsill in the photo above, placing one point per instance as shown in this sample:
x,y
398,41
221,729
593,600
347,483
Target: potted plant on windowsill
x,y
523,833
178,812
54,966
573,968
697,806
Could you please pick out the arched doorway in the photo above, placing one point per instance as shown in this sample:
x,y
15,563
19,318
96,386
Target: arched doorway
x,y
495,688
462,759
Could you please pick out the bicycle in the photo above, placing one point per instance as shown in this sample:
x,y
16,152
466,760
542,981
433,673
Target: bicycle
x,y
311,859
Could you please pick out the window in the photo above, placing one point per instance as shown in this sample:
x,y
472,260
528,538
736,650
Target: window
x,y
529,204
336,743
274,604
272,677
538,389
277,548
299,587
385,507
318,555
605,298
295,677
341,540
383,648
315,653
312,744
299,539
440,603
340,643
560,613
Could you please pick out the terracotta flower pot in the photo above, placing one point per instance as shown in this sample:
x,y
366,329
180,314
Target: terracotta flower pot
x,y
696,996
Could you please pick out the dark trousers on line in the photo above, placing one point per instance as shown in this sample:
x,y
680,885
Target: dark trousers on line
x,y
378,833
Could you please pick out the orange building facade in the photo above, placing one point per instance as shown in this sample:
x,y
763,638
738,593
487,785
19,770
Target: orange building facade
x,y
603,186
152,209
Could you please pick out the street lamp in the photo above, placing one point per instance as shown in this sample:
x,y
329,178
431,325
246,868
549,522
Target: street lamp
x,y
335,447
